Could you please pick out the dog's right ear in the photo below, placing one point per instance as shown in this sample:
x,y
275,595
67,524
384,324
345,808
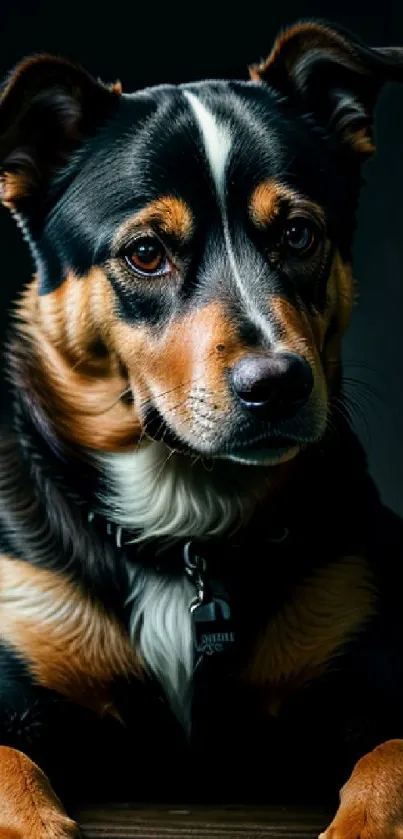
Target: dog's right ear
x,y
48,106
333,78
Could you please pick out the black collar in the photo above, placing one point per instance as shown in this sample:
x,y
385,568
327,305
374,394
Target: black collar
x,y
169,557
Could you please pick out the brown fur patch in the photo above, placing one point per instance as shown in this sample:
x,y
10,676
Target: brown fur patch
x,y
78,388
116,87
171,215
332,325
371,802
295,330
317,337
297,335
360,141
14,186
310,628
81,390
268,198
29,809
67,639
79,359
182,368
266,201
29,96
294,42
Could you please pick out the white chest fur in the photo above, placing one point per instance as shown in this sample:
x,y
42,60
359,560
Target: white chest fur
x,y
163,495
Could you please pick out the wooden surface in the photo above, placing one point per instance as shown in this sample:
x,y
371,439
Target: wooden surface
x,y
127,822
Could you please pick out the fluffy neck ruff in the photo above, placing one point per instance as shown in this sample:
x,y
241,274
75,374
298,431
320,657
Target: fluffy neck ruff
x,y
164,495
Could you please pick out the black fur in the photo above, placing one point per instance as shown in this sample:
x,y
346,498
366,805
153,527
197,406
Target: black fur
x,y
346,712
130,152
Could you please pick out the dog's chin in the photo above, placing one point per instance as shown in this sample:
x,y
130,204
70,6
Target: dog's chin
x,y
263,451
262,457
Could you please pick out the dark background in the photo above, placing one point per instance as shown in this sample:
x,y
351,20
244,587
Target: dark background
x,y
144,43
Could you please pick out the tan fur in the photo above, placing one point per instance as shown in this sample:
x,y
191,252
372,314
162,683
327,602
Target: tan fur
x,y
183,367
307,334
268,198
371,802
306,633
360,141
29,809
170,214
68,640
337,315
301,332
116,87
296,40
79,391
266,201
74,316
13,186
344,282
296,333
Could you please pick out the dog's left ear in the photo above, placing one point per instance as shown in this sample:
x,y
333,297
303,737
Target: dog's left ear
x,y
48,106
332,77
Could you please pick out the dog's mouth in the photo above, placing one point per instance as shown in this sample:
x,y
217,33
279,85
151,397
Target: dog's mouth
x,y
266,449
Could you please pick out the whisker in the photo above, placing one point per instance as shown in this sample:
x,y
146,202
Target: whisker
x,y
167,459
356,414
190,381
102,411
141,438
118,398
364,387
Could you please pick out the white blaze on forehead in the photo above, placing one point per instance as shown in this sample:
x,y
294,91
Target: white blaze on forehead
x,y
217,141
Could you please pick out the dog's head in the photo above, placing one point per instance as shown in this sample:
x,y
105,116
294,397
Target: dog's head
x,y
192,244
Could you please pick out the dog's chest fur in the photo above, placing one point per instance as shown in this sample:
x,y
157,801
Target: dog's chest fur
x,y
149,494
73,644
159,495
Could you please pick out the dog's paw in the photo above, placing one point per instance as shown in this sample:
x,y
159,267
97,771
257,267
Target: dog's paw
x,y
345,828
29,809
65,829
371,802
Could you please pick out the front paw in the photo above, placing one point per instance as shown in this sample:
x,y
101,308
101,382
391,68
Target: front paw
x,y
62,829
350,828
371,802
29,809
347,828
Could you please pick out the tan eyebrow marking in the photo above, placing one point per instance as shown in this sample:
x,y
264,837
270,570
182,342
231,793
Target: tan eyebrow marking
x,y
171,214
269,196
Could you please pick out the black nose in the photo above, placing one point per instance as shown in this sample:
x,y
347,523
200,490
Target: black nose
x,y
273,387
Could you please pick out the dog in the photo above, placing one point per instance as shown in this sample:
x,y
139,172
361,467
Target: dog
x,y
200,590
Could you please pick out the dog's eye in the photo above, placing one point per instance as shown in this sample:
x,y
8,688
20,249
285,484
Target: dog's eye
x,y
300,236
147,256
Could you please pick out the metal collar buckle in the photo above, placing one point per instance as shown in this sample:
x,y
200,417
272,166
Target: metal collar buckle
x,y
195,569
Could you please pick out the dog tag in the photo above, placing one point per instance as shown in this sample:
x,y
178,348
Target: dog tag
x,y
213,628
214,632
